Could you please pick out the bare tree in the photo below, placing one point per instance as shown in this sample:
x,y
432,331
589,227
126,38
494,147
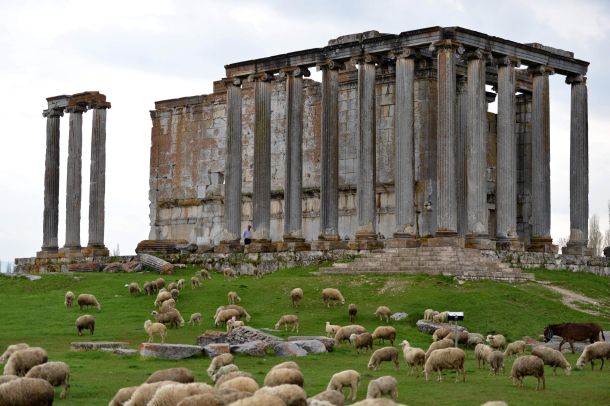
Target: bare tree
x,y
563,242
117,251
595,236
607,236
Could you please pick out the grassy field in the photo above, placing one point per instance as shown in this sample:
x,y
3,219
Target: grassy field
x,y
33,312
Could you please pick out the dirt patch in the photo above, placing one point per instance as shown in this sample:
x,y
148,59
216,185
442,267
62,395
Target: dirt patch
x,y
574,300
393,287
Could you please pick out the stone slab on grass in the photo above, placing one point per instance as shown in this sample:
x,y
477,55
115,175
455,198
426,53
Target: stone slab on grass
x,y
246,334
288,349
215,349
399,316
254,348
328,342
579,346
169,351
97,345
311,346
429,327
121,351
211,337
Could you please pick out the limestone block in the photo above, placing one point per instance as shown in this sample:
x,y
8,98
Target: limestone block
x,y
430,327
399,316
329,343
288,349
256,348
96,345
215,349
245,334
169,351
311,346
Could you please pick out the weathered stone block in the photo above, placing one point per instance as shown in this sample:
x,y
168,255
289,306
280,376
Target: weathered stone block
x,y
256,348
169,351
97,345
430,327
287,349
329,343
213,350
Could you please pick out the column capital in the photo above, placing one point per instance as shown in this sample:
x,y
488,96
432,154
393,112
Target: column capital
x,y
54,112
366,58
100,105
477,53
261,77
406,52
505,60
331,64
76,109
576,79
234,81
539,70
295,71
446,45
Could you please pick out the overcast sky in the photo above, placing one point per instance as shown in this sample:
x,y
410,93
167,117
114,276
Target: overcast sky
x,y
139,52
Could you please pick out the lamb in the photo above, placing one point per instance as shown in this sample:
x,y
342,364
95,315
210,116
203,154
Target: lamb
x,y
242,312
497,341
180,284
553,358
414,357
241,383
515,347
482,353
219,361
223,371
496,362
429,314
56,373
597,350
69,298
286,320
352,311
85,322
26,392
528,365
437,345
348,378
445,358
331,329
195,319
364,340
167,305
173,317
162,296
11,349
296,295
229,273
159,283
233,297
257,273
385,333
144,393
152,328
149,288
233,324
334,397
134,288
203,273
224,315
172,286
195,283
122,396
260,399
182,375
474,339
21,361
332,295
175,293
281,376
170,395
383,354
345,332
384,386
441,317
383,312
85,300
292,395
440,333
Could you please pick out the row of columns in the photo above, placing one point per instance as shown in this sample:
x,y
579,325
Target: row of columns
x,y
461,152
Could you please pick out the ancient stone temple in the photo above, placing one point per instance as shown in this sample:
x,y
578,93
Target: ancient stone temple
x,y
395,147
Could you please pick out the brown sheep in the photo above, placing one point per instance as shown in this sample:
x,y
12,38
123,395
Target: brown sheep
x,y
159,283
280,376
149,288
11,349
383,354
204,274
26,392
56,373
352,311
332,295
182,375
134,289
385,333
345,332
445,358
383,312
528,365
364,340
85,322
229,273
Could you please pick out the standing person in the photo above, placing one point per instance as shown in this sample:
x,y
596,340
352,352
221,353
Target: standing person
x,y
248,235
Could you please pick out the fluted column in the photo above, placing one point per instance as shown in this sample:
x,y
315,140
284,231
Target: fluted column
x,y
460,155
74,178
579,167
97,182
541,182
51,182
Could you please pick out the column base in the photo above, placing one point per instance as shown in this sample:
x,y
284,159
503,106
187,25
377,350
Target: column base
x,y
445,240
71,252
328,245
259,245
577,248
292,244
229,247
509,244
480,242
48,253
95,251
542,244
402,240
364,244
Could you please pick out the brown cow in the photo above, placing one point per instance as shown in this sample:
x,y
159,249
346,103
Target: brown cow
x,y
571,332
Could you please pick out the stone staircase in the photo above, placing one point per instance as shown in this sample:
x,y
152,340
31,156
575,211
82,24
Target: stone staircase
x,y
463,263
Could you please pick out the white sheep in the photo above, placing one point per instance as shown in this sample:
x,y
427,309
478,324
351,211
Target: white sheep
x,y
597,350
162,296
429,314
345,379
240,310
440,344
241,383
175,293
445,358
182,375
11,349
167,305
482,353
159,283
229,273
287,364
171,286
383,354
553,358
288,320
281,376
195,282
123,395
195,319
331,329
528,365
152,328
68,299
332,295
230,375
203,273
180,284
383,333
291,394
333,397
172,316
233,297
345,332
383,386
219,361
233,323
364,340
56,373
496,341
85,322
496,362
440,333
26,392
383,312
223,371
414,357
296,295
224,315
21,361
441,317
144,393
260,399
170,395
134,288
86,300
515,347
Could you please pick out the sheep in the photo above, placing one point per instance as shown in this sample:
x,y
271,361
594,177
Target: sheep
x,y
56,373
7,378
348,378
440,333
172,286
223,371
170,395
385,333
180,284
474,339
159,283
241,383
152,328
260,399
182,375
257,273
162,296
334,397
383,312
241,311
229,273
195,283
68,299
224,315
377,402
11,349
497,341
134,288
445,358
292,395
352,311
441,317
386,385
515,347
462,337
85,322
85,300
495,403
233,297
21,361
122,396
195,319
383,354
364,340
496,362
203,273
553,358
345,332
287,364
219,397
437,345
528,365
230,375
296,295
331,329
286,320
148,288
219,361
597,350
482,353
232,324
144,393
173,317
332,295
26,392
281,376
175,293
167,305
429,314
414,357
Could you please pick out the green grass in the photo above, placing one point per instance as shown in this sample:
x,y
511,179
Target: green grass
x,y
33,312
594,286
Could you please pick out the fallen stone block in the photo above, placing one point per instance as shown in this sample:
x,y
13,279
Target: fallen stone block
x,y
211,337
287,349
121,351
311,346
399,316
430,327
97,345
254,348
328,342
215,349
246,334
169,351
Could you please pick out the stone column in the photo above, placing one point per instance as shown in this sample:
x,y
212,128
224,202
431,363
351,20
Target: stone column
x,y
51,184
230,239
579,168
506,174
97,184
541,149
477,235
74,181
446,141
460,154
